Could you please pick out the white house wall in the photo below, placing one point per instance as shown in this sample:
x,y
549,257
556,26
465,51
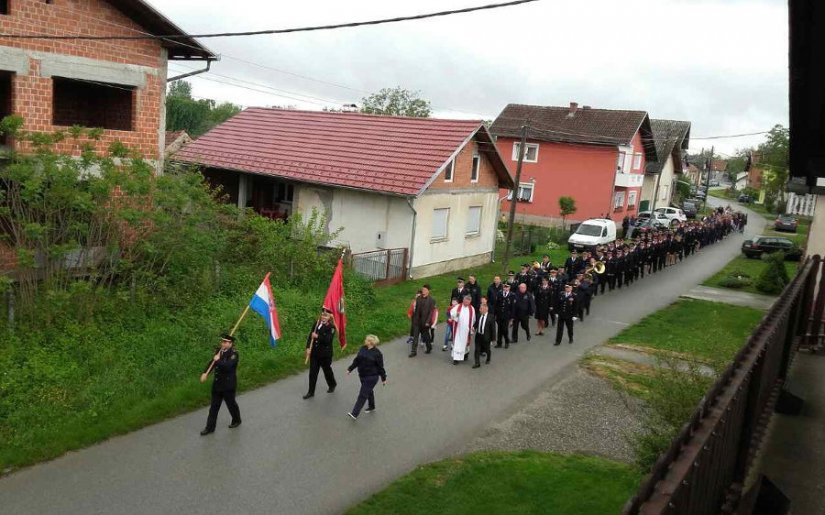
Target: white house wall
x,y
361,215
666,183
457,250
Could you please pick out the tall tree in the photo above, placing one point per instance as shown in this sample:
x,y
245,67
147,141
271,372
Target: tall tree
x,y
195,116
773,158
396,102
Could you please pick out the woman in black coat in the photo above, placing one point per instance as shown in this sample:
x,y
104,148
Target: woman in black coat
x,y
544,296
370,364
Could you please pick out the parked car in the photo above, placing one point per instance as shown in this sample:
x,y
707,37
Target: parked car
x,y
690,208
593,232
673,214
786,223
701,195
646,223
714,183
745,199
767,244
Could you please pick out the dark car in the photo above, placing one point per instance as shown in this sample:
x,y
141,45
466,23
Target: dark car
x,y
786,223
745,199
690,208
645,224
767,244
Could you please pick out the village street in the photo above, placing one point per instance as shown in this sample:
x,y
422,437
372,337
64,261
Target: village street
x,y
295,456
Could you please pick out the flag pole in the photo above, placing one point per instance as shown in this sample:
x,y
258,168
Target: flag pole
x,y
243,314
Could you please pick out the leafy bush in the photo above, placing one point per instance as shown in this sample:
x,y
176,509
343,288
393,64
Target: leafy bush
x,y
735,282
774,277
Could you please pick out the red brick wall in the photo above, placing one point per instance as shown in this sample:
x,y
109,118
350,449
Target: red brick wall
x,y
32,94
462,171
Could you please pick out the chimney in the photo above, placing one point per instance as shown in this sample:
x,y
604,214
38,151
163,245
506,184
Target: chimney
x,y
573,108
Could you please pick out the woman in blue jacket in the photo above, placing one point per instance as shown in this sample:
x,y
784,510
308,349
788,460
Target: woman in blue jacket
x,y
370,365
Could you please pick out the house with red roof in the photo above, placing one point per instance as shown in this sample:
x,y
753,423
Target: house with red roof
x,y
596,156
427,185
672,139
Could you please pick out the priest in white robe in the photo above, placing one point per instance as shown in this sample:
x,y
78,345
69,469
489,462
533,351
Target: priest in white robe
x,y
465,316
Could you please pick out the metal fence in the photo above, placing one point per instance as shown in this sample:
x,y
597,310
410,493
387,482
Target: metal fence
x,y
382,266
704,470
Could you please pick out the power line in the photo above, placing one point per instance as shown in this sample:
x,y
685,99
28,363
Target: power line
x,y
732,135
281,31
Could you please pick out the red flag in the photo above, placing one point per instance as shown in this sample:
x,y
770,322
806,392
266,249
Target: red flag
x,y
334,303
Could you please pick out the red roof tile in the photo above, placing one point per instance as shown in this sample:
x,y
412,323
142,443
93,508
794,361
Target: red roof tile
x,y
386,154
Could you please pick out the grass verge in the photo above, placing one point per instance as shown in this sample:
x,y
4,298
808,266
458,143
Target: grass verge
x,y
524,482
708,330
683,338
741,265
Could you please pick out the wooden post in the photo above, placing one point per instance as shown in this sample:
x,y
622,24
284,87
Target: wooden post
x,y
514,198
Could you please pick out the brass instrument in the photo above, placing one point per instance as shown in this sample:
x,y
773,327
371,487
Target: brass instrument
x,y
598,267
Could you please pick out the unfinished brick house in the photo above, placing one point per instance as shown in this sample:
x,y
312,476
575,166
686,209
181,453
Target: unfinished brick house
x,y
116,85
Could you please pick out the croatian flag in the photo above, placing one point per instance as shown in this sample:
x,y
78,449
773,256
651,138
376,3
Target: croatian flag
x,y
263,303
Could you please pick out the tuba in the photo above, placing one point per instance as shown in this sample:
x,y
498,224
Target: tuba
x,y
598,267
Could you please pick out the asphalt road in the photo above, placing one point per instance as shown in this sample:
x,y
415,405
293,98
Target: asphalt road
x,y
305,457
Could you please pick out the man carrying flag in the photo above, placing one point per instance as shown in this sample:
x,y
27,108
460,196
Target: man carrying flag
x,y
334,303
319,351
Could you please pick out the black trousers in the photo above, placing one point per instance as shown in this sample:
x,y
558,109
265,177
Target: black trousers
x,y
315,364
481,348
423,332
560,329
524,322
503,324
611,281
365,395
619,279
219,398
602,284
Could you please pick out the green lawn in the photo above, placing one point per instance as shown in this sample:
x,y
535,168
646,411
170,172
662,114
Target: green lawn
x,y
709,330
524,482
751,267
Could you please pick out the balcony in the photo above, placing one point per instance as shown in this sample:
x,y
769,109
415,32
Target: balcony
x,y
629,180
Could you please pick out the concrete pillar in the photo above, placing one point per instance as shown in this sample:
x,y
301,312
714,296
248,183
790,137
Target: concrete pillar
x,y
816,241
243,185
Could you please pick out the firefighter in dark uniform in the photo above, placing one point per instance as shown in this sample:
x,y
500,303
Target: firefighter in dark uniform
x,y
566,311
524,306
319,350
224,364
610,271
504,313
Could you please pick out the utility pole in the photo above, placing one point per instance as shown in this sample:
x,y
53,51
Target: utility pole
x,y
707,180
514,198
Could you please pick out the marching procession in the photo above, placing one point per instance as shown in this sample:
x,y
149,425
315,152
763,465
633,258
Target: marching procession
x,y
555,295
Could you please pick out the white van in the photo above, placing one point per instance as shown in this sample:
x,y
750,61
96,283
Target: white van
x,y
596,231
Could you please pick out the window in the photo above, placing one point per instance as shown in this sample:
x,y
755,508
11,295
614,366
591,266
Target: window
x,y
476,165
637,161
663,191
531,152
77,102
474,221
5,101
448,171
618,200
284,192
440,219
631,198
525,192
4,6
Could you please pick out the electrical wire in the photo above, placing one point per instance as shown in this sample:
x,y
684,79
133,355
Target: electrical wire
x,y
313,28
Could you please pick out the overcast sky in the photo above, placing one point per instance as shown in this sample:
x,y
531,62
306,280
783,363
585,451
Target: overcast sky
x,y
721,64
